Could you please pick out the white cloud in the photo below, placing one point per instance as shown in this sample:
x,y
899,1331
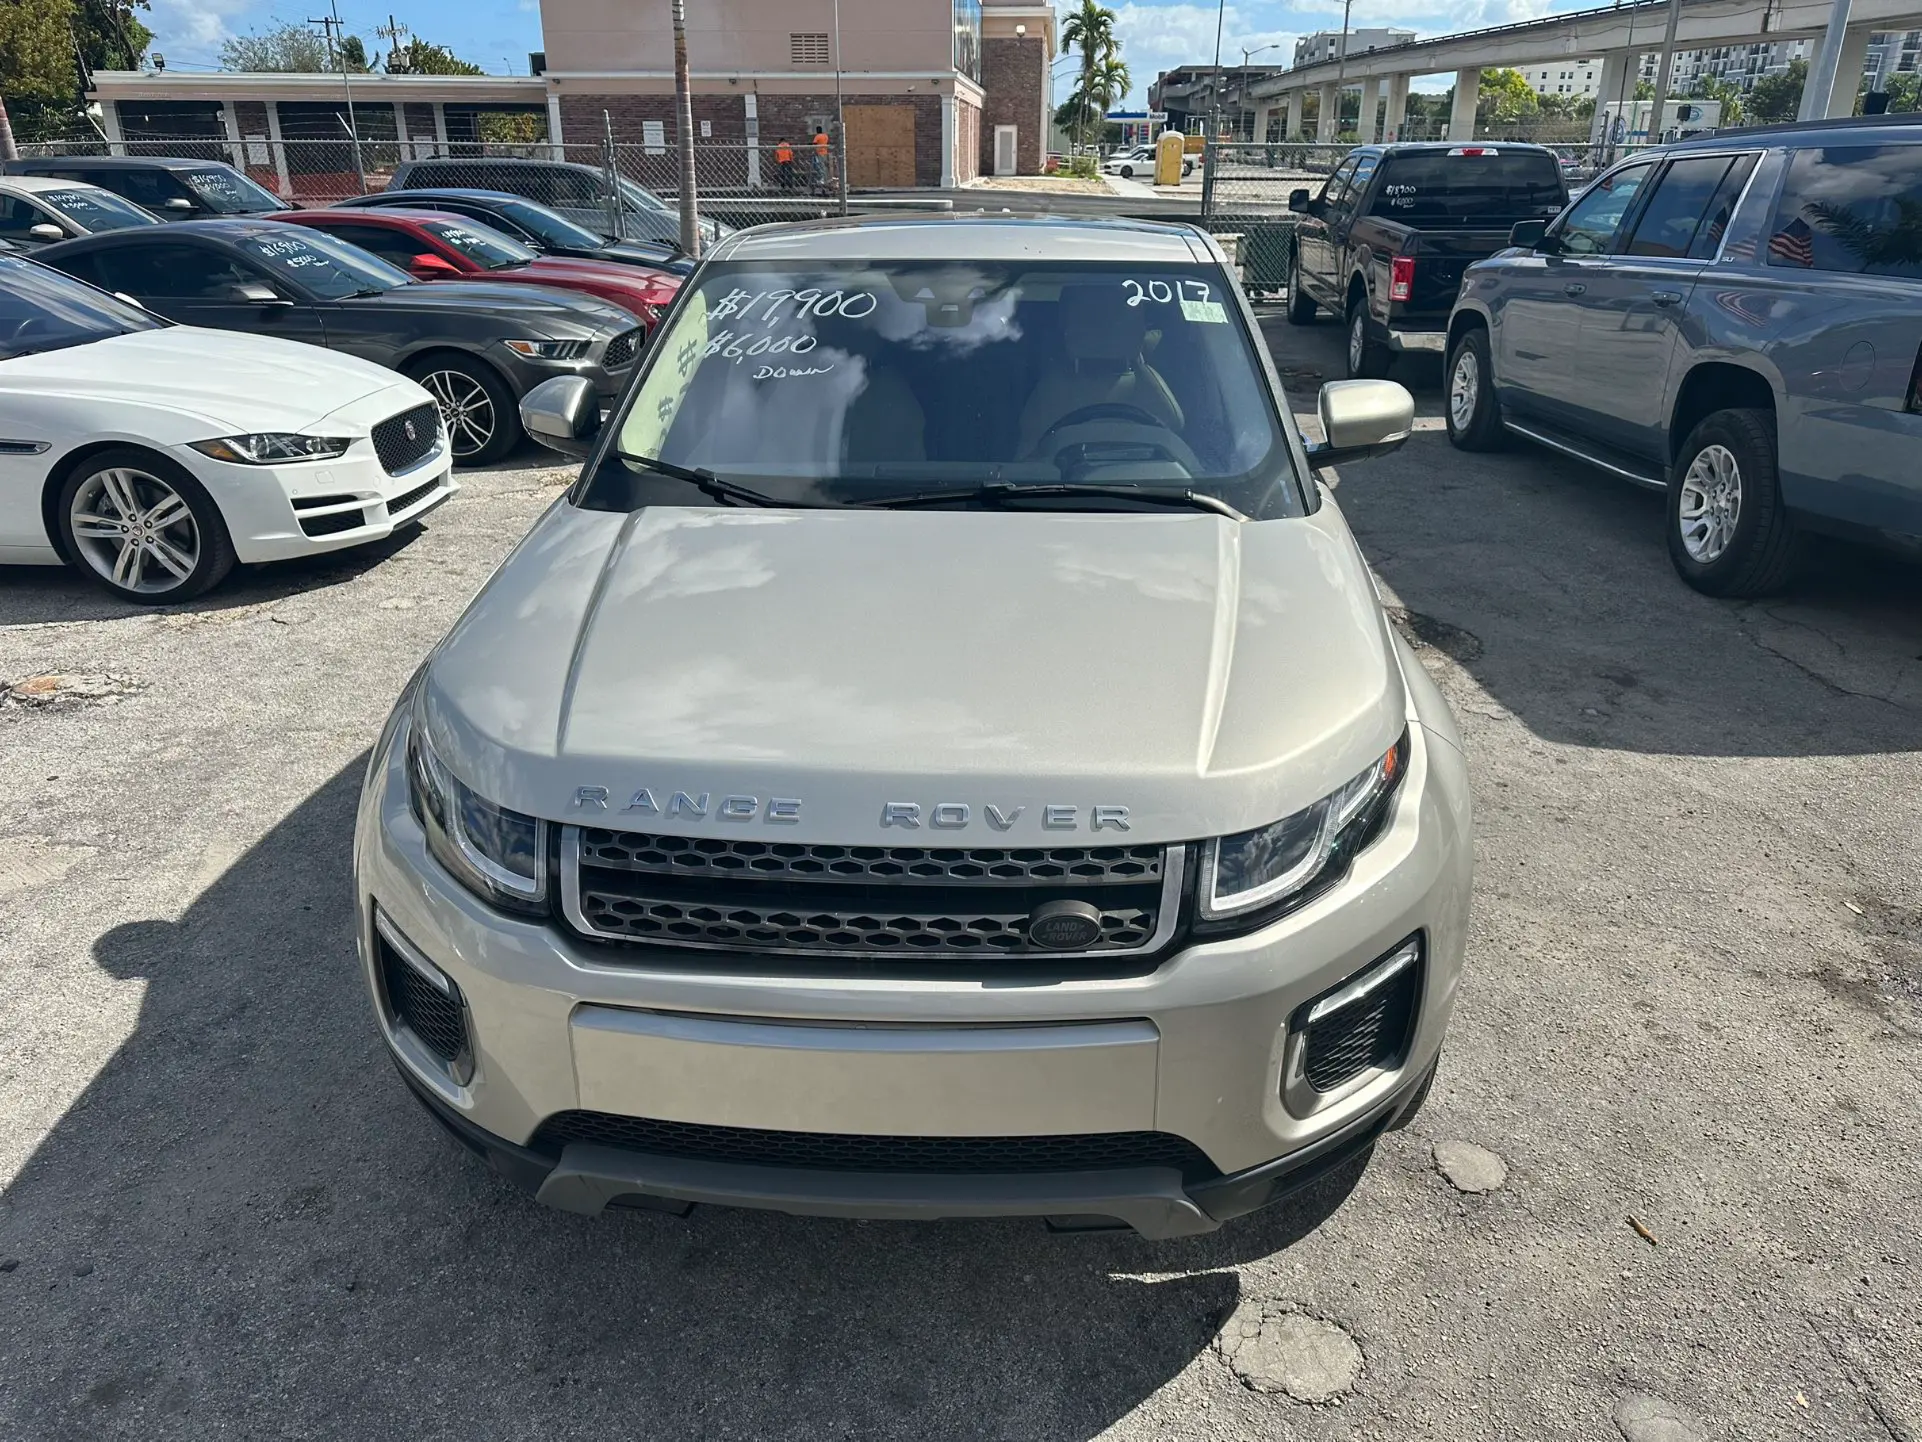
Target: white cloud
x,y
1160,37
192,30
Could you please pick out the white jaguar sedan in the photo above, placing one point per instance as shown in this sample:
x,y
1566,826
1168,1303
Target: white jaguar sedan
x,y
154,456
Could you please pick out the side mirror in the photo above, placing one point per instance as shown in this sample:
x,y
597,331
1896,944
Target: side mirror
x,y
1298,201
564,415
1528,234
44,231
431,267
1361,419
177,205
252,292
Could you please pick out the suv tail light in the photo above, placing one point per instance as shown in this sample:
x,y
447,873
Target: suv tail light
x,y
1401,277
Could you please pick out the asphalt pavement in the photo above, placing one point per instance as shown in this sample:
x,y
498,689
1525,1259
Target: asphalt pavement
x,y
1681,1088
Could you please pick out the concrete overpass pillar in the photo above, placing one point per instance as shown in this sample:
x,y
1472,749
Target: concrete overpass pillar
x,y
1620,70
1397,115
1848,74
1468,90
1826,70
1292,129
1370,108
1264,114
1329,113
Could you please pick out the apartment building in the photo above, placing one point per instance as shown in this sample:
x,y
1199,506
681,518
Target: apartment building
x,y
1327,44
1570,79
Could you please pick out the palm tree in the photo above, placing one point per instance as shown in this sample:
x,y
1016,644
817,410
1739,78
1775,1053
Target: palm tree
x,y
1111,82
1091,31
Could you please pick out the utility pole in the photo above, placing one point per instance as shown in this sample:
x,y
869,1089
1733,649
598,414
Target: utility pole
x,y
393,32
8,150
1214,109
684,113
1663,70
1341,66
840,120
330,26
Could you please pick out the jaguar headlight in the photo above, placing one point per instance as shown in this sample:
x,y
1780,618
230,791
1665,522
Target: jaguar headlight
x,y
266,448
499,855
1271,863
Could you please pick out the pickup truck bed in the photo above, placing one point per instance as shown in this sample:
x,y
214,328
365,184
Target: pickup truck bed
x,y
1385,242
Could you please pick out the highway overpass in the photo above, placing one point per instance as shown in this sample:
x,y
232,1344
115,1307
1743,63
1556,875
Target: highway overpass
x,y
1620,35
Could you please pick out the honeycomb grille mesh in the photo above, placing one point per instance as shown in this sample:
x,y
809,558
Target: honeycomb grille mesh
x,y
391,442
1372,1031
620,350
427,1011
832,1151
889,865
878,931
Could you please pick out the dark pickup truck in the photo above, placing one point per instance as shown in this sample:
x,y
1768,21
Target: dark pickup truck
x,y
1385,242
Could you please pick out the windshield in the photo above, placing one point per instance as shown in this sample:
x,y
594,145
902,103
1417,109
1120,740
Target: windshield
x,y
478,243
324,267
41,310
644,200
860,380
228,192
97,209
551,229
1492,188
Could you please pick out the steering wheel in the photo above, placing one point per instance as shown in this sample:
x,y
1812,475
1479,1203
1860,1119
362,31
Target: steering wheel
x,y
1102,411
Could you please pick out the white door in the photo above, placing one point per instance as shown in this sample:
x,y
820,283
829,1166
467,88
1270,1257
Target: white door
x,y
1004,149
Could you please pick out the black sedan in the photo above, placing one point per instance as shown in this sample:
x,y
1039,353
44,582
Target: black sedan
x,y
532,225
477,346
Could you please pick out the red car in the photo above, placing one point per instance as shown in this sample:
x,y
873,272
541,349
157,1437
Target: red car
x,y
437,245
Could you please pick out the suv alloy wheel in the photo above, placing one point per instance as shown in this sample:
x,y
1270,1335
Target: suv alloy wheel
x,y
1728,532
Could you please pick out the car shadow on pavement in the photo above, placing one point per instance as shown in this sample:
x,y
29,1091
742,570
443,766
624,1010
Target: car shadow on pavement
x,y
1550,585
39,595
246,1227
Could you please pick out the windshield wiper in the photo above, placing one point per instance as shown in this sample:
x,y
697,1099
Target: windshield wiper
x,y
1008,490
719,487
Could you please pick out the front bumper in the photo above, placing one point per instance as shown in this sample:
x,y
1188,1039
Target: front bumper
x,y
525,372
278,512
1195,1049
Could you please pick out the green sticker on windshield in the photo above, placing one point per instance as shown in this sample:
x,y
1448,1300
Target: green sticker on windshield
x,y
1203,310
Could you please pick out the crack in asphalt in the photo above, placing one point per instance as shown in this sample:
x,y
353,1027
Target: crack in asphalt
x,y
1833,687
1895,1430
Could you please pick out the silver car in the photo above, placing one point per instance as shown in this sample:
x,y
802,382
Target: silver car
x,y
945,757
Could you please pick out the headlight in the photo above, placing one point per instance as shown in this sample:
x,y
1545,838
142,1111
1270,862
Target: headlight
x,y
266,447
499,854
557,350
1259,867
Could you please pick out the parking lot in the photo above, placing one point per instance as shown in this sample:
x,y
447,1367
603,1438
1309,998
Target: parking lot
x,y
1691,1031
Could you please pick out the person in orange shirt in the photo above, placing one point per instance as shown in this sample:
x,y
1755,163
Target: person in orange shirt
x,y
784,166
821,147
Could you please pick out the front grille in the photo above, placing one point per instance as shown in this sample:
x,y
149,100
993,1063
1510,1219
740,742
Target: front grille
x,y
945,903
316,526
891,865
415,1002
1372,1031
620,350
391,442
400,505
842,1152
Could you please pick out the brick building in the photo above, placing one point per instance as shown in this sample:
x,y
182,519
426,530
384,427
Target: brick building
x,y
934,92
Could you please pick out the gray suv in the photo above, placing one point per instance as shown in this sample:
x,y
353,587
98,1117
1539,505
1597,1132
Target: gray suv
x,y
1736,320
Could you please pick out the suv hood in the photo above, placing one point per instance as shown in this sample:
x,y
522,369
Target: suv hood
x,y
1207,675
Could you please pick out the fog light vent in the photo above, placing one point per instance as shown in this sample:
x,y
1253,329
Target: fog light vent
x,y
1363,1025
424,999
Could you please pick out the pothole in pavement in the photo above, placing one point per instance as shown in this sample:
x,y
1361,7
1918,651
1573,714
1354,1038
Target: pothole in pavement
x,y
69,688
1278,1349
1429,633
1470,1168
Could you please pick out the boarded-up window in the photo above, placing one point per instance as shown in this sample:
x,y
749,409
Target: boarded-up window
x,y
807,48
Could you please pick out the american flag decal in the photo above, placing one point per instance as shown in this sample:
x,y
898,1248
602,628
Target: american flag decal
x,y
1794,244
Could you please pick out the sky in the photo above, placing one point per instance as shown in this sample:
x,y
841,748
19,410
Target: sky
x,y
1155,35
